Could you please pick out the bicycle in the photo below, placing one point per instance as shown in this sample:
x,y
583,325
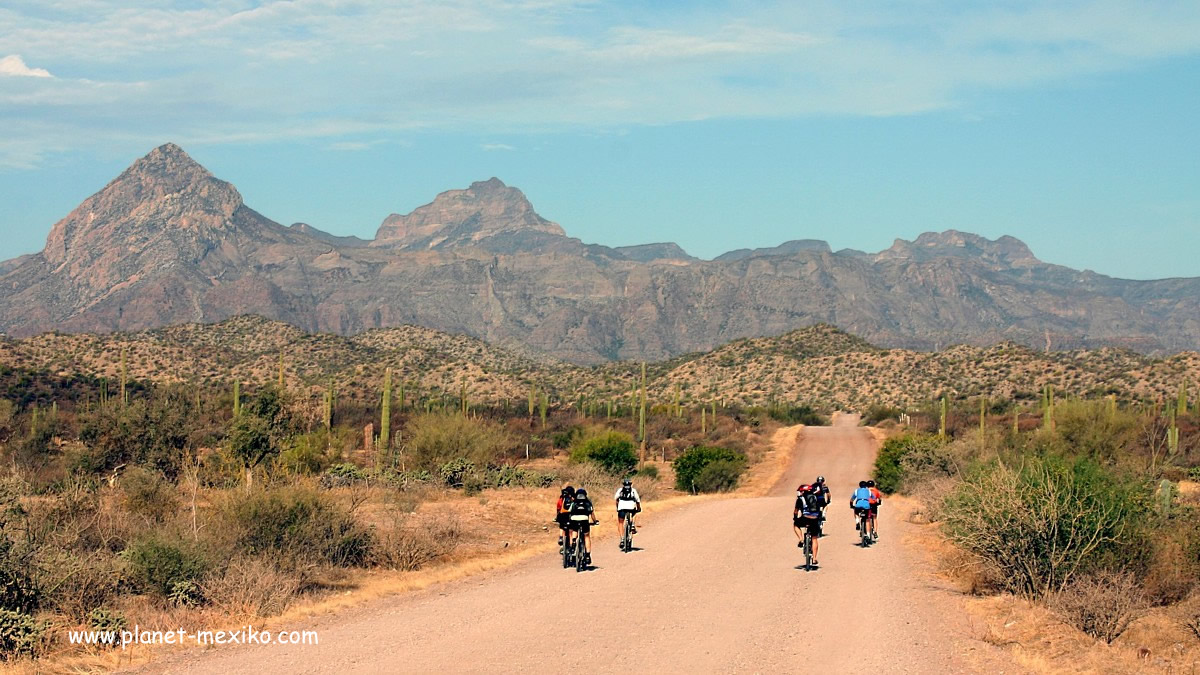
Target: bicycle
x,y
564,547
580,551
627,534
861,525
808,551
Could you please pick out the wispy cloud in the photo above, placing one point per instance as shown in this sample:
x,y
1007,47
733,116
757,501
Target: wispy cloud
x,y
493,147
14,66
227,71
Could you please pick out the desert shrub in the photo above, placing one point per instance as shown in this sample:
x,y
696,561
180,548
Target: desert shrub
x,y
77,583
515,476
1043,523
796,414
408,548
689,465
297,524
563,439
1173,569
157,562
613,451
1091,428
878,412
146,494
18,589
152,433
1188,613
649,471
250,587
307,454
1101,605
433,439
719,476
889,471
20,634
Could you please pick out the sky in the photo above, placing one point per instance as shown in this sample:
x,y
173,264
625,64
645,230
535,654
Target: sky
x,y
716,124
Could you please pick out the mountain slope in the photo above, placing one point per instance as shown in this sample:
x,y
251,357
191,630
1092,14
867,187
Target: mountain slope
x,y
166,242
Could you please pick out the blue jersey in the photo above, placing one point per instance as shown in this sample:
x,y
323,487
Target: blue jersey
x,y
862,498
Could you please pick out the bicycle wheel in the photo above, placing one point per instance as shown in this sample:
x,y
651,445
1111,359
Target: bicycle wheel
x,y
580,552
566,550
627,543
808,551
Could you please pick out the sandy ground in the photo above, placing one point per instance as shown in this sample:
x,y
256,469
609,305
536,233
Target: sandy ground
x,y
714,587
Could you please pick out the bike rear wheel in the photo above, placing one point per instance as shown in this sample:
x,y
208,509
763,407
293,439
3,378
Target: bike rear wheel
x,y
580,553
566,550
627,540
808,555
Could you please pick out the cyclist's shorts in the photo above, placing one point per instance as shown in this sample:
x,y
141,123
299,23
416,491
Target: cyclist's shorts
x,y
810,523
622,512
564,519
582,526
874,509
859,511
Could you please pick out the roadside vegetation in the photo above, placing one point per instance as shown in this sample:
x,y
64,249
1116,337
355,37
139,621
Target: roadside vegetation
x,y
1085,507
159,504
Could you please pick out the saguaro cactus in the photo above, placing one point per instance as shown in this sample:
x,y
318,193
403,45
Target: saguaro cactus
x,y
385,414
124,375
329,396
942,422
237,398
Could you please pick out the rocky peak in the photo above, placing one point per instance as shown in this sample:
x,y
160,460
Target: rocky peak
x,y
462,217
163,191
1007,251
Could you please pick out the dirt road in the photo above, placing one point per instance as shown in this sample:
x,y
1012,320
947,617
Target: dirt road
x,y
714,588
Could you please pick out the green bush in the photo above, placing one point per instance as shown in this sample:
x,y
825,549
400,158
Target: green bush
x,y
719,476
1042,524
877,413
454,472
613,451
649,471
797,414
157,563
889,464
433,439
20,634
148,495
690,465
296,524
307,454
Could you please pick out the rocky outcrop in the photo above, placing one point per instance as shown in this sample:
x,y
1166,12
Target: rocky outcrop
x,y
461,217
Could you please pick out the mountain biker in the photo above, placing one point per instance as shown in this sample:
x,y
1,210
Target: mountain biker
x,y
823,492
860,501
628,502
583,516
876,500
563,514
806,515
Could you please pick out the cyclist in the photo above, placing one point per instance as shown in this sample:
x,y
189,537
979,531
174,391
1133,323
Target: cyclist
x,y
860,501
583,516
806,515
628,502
823,491
563,515
876,500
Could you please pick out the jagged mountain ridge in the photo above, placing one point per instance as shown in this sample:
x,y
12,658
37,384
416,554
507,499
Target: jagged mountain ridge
x,y
166,243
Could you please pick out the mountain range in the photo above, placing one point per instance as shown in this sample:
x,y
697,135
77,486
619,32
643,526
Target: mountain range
x,y
166,242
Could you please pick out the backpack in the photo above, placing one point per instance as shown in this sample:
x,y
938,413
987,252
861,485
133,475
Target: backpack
x,y
567,502
581,507
627,493
809,503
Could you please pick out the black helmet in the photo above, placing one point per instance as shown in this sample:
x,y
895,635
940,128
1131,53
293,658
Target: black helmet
x,y
862,483
870,483
568,490
626,483
581,492
820,480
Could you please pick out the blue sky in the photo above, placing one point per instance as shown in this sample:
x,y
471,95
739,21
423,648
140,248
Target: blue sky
x,y
718,125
